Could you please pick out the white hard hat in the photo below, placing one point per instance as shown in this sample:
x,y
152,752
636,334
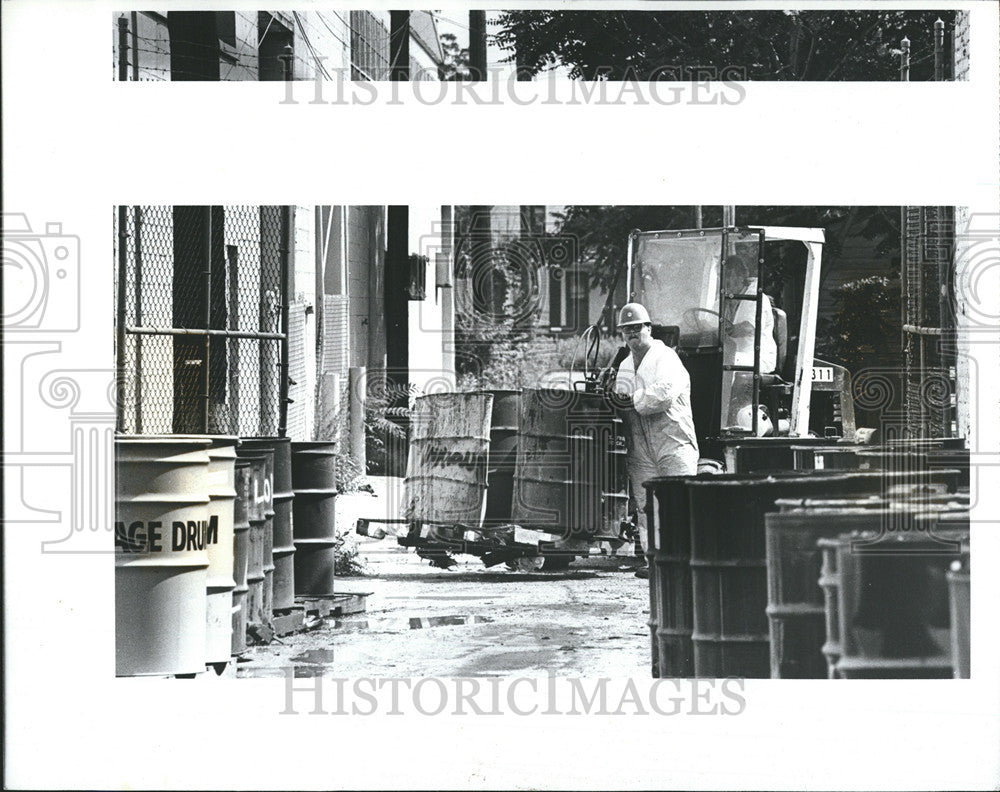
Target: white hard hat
x,y
633,313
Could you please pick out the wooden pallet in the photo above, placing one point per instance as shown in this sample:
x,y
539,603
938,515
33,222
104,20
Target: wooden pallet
x,y
334,605
288,621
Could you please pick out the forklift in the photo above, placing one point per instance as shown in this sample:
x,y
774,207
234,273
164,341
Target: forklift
x,y
689,282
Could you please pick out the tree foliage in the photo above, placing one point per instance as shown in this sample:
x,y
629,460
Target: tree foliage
x,y
761,45
456,59
601,232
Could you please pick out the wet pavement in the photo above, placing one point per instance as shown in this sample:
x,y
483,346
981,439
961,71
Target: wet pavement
x,y
473,621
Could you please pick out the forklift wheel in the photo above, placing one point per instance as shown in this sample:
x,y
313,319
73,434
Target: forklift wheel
x,y
556,563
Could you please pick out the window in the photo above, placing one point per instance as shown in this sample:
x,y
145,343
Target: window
x,y
369,47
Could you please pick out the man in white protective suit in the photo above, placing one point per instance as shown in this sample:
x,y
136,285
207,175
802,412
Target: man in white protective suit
x,y
654,389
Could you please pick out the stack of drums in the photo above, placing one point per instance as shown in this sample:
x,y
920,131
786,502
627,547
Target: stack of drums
x,y
314,482
279,571
726,524
259,517
803,573
570,477
268,447
161,522
219,543
241,551
502,457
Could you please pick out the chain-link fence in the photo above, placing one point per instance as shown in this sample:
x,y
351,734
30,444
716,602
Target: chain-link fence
x,y
928,320
202,319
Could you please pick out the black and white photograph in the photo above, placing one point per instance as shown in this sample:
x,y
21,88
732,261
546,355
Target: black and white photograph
x,y
435,398
453,406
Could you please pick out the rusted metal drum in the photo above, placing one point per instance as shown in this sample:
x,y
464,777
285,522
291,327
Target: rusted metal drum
x,y
570,475
281,569
220,546
728,558
258,508
449,448
894,608
502,458
161,562
314,481
241,550
959,596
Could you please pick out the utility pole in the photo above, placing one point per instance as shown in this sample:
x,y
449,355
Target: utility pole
x,y
477,46
399,46
939,50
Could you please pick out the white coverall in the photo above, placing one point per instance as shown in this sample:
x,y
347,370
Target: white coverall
x,y
737,388
661,429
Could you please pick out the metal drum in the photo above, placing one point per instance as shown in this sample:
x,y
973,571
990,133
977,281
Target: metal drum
x,y
219,543
828,457
918,456
241,550
748,455
314,481
894,603
281,568
728,559
797,606
570,476
671,608
502,458
446,470
960,602
260,498
266,530
829,582
161,524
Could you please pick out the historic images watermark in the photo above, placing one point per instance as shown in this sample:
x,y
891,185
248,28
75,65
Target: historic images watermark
x,y
41,310
518,696
666,86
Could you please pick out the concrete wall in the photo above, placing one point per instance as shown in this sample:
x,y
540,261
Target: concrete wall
x,y
431,321
961,47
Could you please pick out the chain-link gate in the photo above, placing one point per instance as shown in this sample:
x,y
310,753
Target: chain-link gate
x,y
202,314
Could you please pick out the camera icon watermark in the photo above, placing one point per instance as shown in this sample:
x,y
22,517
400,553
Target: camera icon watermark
x,y
41,277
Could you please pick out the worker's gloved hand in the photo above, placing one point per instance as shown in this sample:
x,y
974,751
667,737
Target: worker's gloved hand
x,y
620,401
606,379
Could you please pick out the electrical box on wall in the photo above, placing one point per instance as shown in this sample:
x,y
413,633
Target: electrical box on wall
x,y
417,289
442,266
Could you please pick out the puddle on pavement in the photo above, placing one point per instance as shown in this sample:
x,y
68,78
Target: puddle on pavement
x,y
417,623
414,623
317,656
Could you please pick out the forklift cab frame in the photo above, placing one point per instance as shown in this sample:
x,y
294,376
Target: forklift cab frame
x,y
686,280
